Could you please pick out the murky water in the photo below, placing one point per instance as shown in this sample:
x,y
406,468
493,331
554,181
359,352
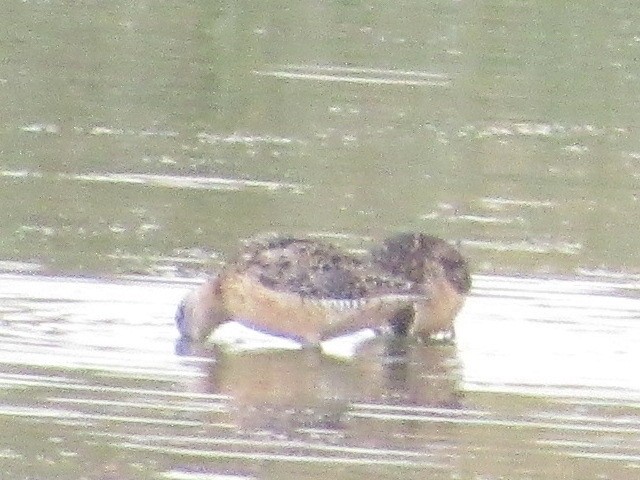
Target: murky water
x,y
140,140
540,382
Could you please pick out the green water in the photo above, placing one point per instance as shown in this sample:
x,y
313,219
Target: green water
x,y
508,126
149,137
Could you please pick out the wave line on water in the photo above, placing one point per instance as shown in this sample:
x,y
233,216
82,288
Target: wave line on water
x,y
170,181
204,407
605,456
356,406
14,379
175,181
281,457
351,79
378,71
494,422
285,444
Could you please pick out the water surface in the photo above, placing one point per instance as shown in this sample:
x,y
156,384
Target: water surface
x,y
540,381
139,141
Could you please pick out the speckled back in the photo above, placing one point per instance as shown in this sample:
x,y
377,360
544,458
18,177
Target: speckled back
x,y
314,269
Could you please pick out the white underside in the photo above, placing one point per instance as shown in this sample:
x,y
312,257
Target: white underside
x,y
236,337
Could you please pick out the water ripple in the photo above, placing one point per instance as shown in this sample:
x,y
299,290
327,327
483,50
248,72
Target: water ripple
x,y
375,76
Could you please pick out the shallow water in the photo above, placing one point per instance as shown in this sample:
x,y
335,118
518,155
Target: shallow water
x,y
139,141
541,382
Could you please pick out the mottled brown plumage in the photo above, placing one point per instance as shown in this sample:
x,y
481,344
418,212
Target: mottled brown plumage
x,y
436,265
312,290
314,269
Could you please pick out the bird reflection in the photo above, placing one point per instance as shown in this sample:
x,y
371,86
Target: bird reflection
x,y
282,391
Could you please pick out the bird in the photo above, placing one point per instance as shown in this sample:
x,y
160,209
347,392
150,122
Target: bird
x,y
310,291
442,272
